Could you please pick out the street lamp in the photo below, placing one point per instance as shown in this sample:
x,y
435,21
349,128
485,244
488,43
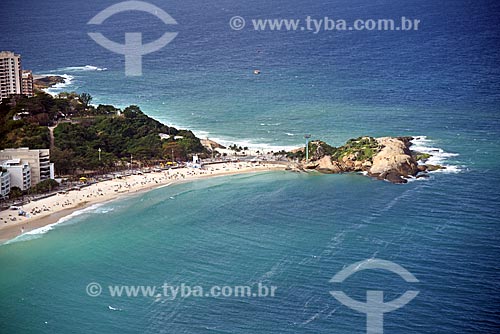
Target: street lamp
x,y
99,153
307,137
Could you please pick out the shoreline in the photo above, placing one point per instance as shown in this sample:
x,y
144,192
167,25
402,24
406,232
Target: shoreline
x,y
50,210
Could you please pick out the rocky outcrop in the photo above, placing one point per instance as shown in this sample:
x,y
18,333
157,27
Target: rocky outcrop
x,y
386,158
42,82
210,144
394,162
326,165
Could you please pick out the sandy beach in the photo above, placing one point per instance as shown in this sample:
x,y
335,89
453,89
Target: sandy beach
x,y
49,210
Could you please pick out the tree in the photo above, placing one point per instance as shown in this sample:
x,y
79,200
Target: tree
x,y
64,160
15,192
45,186
85,98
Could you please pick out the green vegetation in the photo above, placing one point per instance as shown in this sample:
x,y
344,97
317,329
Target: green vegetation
x,y
41,188
81,130
133,133
44,186
321,149
422,156
30,135
24,122
85,98
237,148
300,155
15,192
362,148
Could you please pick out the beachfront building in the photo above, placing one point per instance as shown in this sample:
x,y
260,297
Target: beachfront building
x,y
20,173
38,160
27,83
4,183
10,74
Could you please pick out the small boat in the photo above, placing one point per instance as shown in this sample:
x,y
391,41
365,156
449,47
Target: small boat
x,y
256,72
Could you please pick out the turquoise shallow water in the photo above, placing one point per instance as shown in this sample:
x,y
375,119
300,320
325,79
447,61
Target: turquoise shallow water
x,y
288,230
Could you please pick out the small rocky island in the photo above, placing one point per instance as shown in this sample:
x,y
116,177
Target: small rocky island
x,y
385,158
43,82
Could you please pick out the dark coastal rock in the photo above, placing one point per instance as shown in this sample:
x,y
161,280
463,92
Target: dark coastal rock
x,y
393,176
422,168
311,165
432,168
406,140
326,171
47,81
319,153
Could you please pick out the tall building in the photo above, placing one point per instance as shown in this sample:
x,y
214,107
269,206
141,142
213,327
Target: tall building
x,y
20,173
10,74
4,183
27,83
38,160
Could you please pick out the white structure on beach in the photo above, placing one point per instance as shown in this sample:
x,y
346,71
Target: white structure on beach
x,y
20,173
38,160
196,162
4,183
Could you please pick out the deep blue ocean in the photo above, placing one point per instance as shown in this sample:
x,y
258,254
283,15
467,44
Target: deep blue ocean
x,y
291,231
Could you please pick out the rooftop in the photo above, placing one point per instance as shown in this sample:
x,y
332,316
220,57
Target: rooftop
x,y
5,54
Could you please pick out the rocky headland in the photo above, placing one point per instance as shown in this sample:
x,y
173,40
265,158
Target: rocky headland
x,y
43,82
385,158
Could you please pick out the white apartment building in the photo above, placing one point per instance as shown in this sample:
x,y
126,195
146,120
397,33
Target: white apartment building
x,y
4,183
38,160
27,83
20,173
10,74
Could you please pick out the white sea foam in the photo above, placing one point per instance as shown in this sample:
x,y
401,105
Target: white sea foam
x,y
114,308
68,78
252,144
415,179
438,156
59,87
165,185
39,232
270,124
85,68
